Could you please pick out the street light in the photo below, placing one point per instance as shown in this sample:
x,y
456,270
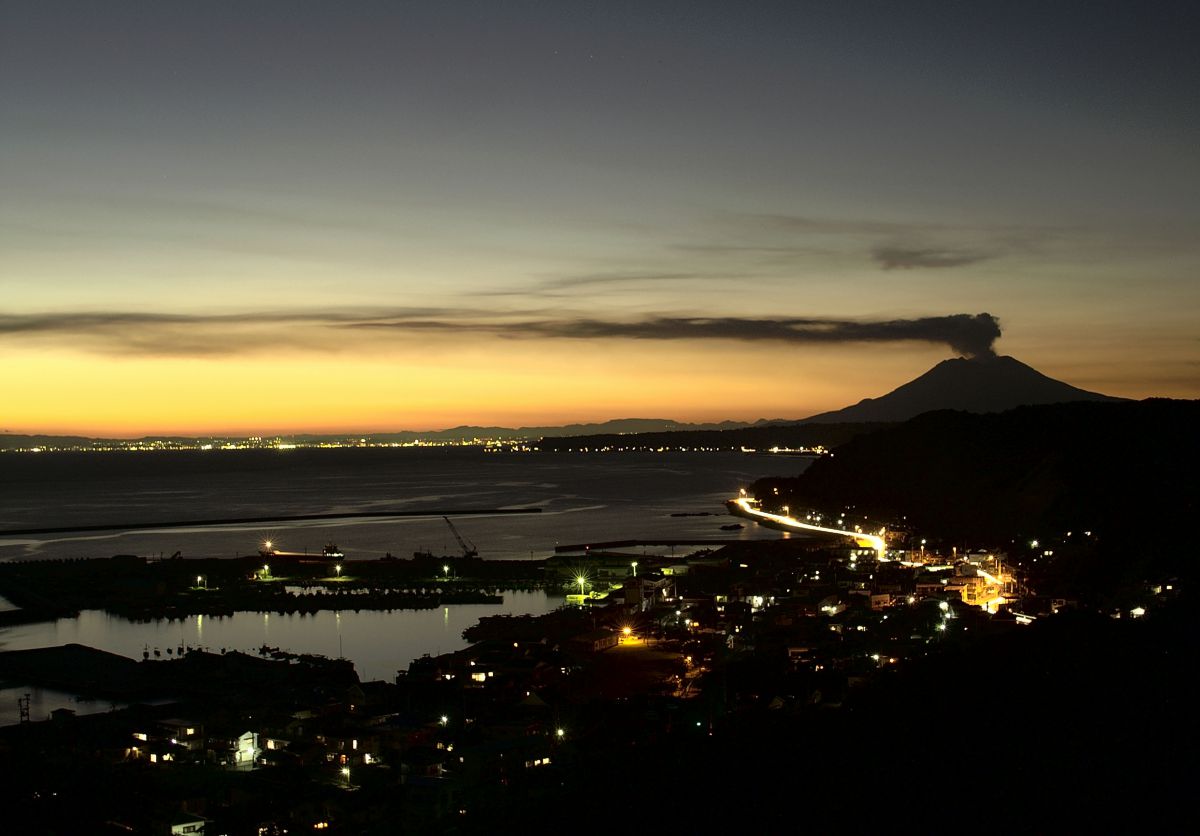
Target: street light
x,y
337,569
581,580
634,565
346,773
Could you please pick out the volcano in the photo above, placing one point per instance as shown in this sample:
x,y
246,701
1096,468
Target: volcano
x,y
978,384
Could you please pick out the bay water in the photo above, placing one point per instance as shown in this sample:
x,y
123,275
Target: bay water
x,y
584,497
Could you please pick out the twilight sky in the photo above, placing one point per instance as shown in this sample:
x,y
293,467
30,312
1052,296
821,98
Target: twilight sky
x,y
270,216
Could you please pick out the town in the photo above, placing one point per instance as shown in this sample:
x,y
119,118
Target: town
x,y
649,649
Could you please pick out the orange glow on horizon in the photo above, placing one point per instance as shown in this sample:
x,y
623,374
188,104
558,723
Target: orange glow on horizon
x,y
508,383
438,384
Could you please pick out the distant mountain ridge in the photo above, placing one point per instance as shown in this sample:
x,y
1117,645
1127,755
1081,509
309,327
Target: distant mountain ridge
x,y
616,426
620,426
983,384
979,384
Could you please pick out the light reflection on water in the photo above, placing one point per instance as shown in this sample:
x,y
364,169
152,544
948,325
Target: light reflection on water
x,y
584,499
379,643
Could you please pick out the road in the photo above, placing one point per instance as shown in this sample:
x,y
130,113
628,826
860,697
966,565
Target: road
x,y
867,540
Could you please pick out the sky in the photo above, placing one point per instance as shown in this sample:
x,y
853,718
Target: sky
x,y
232,217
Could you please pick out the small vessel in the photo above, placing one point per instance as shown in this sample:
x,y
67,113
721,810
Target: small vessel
x,y
330,552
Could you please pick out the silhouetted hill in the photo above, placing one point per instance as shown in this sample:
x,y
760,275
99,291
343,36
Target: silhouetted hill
x,y
757,437
1123,470
979,384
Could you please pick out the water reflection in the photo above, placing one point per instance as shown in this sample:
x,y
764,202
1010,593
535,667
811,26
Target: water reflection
x,y
379,643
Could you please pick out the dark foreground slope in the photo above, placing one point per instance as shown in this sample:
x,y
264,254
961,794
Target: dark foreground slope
x,y
1126,471
1073,725
978,384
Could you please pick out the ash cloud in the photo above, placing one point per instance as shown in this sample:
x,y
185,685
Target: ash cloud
x,y
972,335
158,334
968,334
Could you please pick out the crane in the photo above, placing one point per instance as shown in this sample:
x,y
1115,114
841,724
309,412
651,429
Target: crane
x,y
468,548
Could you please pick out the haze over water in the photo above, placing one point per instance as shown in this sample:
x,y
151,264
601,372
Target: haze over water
x,y
583,497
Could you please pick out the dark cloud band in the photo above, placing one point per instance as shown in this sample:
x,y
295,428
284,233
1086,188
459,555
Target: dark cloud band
x,y
132,333
966,333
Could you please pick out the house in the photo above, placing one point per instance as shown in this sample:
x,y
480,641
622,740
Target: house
x,y
188,824
595,641
186,733
241,752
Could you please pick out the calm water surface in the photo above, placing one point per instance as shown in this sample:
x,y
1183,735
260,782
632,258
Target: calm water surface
x,y
584,497
378,642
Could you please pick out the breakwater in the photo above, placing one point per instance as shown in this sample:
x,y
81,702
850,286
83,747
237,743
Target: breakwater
x,y
141,589
278,518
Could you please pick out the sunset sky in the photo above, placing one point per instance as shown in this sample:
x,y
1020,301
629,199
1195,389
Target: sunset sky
x,y
260,217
